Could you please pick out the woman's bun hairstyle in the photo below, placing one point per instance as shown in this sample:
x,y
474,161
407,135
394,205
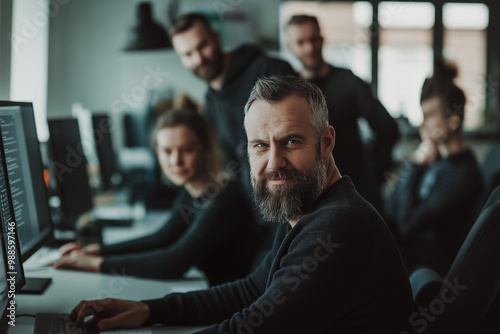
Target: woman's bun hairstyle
x,y
441,84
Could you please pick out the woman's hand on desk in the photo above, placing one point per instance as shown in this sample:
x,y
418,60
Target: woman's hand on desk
x,y
74,247
110,313
80,262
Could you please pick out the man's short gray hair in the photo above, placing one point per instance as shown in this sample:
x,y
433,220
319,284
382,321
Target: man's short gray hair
x,y
276,88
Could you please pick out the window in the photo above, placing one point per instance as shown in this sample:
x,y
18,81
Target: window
x,y
345,27
464,42
406,36
405,56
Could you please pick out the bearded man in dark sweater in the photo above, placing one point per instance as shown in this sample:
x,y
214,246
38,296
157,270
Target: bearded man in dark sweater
x,y
334,267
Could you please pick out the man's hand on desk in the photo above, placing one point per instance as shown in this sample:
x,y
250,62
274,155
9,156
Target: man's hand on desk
x,y
110,313
74,247
80,262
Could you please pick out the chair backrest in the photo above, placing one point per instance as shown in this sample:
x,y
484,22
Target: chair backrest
x,y
491,167
469,296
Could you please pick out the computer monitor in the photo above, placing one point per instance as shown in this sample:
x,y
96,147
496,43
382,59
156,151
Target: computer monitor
x,y
27,187
101,124
9,229
69,167
25,173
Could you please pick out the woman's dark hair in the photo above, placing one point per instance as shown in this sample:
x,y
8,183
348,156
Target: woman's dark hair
x,y
441,84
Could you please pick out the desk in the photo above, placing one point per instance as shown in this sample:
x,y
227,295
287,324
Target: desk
x,y
149,224
69,287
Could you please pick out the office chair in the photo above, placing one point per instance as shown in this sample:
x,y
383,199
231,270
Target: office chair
x,y
468,299
491,167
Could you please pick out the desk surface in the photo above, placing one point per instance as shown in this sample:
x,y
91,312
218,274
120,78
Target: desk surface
x,y
149,224
70,287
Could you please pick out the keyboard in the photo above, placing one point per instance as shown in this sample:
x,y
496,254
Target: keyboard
x,y
43,258
57,323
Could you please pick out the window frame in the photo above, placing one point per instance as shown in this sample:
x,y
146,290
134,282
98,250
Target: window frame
x,y
492,98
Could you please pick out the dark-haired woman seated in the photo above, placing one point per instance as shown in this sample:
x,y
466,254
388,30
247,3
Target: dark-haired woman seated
x,y
433,202
211,226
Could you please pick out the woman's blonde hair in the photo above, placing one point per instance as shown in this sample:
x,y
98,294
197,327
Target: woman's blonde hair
x,y
190,117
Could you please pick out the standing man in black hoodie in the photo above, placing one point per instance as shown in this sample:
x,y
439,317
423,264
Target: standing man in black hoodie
x,y
230,77
349,98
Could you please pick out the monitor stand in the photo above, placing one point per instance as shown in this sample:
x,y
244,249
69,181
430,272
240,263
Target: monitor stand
x,y
35,285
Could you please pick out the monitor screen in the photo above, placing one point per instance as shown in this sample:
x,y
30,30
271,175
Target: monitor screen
x,y
9,230
25,174
69,166
104,147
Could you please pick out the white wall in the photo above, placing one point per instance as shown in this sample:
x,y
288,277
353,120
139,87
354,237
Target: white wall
x,y
30,51
5,49
87,66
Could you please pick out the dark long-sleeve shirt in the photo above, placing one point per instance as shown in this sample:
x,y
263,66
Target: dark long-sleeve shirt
x,y
337,270
433,208
348,98
218,235
224,108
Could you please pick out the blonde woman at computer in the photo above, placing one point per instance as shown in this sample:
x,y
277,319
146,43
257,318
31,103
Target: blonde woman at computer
x,y
211,226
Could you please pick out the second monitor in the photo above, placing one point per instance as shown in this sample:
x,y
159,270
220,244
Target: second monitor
x,y
69,168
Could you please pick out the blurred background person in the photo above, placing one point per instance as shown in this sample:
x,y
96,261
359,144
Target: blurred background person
x,y
348,98
433,202
211,225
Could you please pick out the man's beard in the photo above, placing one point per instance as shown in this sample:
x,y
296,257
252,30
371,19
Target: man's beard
x,y
290,201
313,65
215,68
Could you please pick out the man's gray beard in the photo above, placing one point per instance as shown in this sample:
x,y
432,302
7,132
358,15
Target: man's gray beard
x,y
289,201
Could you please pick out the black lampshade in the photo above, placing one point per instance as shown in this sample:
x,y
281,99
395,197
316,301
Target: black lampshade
x,y
147,34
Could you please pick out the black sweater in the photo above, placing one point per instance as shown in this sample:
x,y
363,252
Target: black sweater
x,y
217,235
225,108
348,98
433,209
337,271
